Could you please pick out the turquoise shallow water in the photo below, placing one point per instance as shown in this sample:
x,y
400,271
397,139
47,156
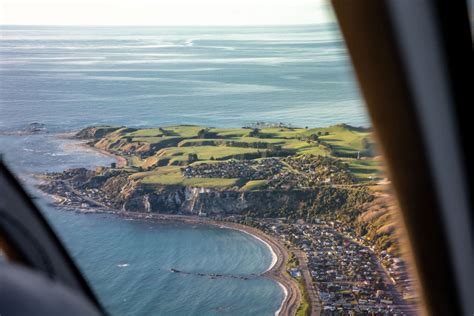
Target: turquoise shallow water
x,y
70,77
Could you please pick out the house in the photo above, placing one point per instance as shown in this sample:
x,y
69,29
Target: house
x,y
295,273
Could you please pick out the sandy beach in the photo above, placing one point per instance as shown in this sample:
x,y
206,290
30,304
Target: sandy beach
x,y
84,146
121,161
277,269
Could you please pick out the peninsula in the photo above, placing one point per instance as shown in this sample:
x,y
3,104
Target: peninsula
x,y
284,184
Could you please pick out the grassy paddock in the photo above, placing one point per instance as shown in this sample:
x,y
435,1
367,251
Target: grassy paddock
x,y
172,146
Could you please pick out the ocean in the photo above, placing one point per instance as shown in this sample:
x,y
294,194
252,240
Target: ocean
x,y
68,78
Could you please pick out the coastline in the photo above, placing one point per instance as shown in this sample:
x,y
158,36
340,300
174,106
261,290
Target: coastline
x,y
272,251
83,144
121,161
276,271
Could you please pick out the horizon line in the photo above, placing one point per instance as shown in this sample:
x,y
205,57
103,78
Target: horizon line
x,y
174,25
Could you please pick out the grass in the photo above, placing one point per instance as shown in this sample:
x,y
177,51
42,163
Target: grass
x,y
162,171
198,142
174,179
207,152
250,140
135,161
304,309
365,170
292,261
305,148
254,185
283,132
171,175
230,141
211,182
344,140
184,130
170,146
146,132
230,132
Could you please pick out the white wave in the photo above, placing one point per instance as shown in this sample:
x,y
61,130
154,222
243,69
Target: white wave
x,y
274,256
274,261
225,89
56,58
124,70
230,48
224,61
122,265
197,87
235,60
285,292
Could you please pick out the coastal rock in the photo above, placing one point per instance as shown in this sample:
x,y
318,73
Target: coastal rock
x,y
275,203
35,128
118,190
95,132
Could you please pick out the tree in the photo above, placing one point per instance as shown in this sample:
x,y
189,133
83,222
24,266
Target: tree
x,y
165,132
192,158
254,133
314,137
366,143
205,133
202,133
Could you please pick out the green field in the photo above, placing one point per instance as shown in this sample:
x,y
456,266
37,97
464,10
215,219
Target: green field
x,y
158,154
366,169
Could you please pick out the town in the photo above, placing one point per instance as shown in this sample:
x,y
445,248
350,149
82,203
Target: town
x,y
287,173
343,272
347,274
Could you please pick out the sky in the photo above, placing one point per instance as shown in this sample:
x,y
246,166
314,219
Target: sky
x,y
164,12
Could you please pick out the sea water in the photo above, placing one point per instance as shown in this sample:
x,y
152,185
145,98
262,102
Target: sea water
x,y
68,78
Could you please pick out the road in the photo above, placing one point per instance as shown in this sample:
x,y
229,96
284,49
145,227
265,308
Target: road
x,y
313,294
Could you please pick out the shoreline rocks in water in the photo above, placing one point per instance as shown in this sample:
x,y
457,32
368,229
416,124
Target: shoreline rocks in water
x,y
30,129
